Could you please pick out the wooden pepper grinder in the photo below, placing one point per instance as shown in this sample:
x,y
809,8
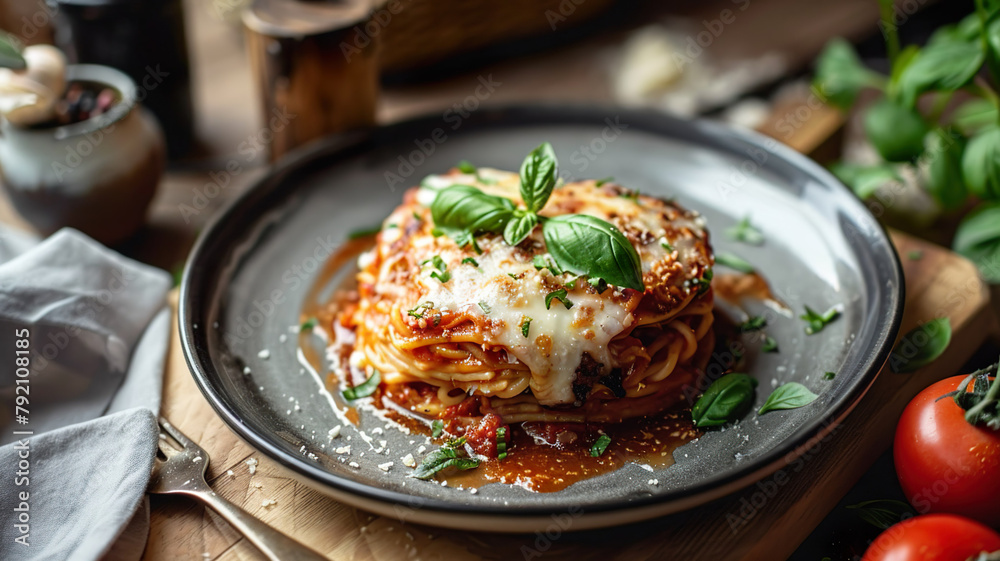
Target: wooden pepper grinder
x,y
316,63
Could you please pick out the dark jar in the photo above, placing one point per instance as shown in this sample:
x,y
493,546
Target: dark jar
x,y
97,175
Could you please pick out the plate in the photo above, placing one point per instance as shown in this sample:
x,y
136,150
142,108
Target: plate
x,y
248,275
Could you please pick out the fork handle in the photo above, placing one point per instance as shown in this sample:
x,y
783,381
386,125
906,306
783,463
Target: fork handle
x,y
272,543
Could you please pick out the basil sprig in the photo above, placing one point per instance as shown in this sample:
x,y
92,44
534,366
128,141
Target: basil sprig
x,y
788,396
578,243
725,400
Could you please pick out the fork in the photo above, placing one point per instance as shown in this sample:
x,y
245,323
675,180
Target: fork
x,y
181,470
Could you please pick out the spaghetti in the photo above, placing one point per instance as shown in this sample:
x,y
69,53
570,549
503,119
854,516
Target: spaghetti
x,y
501,332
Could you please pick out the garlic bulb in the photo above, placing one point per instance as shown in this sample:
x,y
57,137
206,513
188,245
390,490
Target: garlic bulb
x,y
29,96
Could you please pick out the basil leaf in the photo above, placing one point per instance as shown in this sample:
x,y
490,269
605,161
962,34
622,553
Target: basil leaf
x,y
725,400
586,245
519,227
437,428
10,54
818,321
865,180
733,262
770,345
945,65
788,396
978,239
440,459
829,375
538,177
840,74
981,164
364,389
525,326
903,61
944,171
600,445
599,284
745,232
897,132
974,115
921,346
465,208
561,295
308,324
470,261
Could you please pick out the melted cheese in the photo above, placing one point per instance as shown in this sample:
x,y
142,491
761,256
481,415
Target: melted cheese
x,y
507,291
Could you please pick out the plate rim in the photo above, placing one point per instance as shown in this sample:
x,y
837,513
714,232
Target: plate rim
x,y
505,117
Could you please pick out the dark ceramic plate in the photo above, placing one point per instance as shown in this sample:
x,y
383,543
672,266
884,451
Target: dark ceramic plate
x,y
247,277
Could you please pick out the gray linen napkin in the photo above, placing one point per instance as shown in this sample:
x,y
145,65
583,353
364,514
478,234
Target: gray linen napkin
x,y
98,328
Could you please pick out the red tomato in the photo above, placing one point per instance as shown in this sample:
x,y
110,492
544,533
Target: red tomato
x,y
933,537
945,464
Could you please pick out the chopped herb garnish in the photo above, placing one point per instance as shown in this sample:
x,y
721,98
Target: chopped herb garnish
x,y
513,276
600,445
364,389
745,232
754,323
818,321
442,273
308,324
667,246
915,255
442,458
561,295
598,283
541,262
632,196
437,318
391,225
525,325
418,311
733,262
465,166
417,217
829,375
600,182
485,307
470,261
501,443
571,284
770,345
705,281
437,428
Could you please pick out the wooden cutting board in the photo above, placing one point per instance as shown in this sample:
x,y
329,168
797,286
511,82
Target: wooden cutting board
x,y
766,521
